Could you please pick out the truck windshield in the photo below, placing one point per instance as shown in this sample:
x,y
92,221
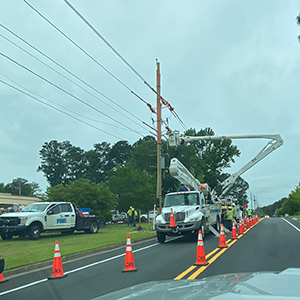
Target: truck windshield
x,y
181,199
35,207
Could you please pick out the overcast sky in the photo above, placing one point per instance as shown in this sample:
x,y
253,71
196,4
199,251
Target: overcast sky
x,y
233,66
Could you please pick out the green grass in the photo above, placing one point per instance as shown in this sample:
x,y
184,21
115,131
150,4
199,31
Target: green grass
x,y
21,251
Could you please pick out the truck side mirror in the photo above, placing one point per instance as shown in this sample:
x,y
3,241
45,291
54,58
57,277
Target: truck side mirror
x,y
50,212
1,265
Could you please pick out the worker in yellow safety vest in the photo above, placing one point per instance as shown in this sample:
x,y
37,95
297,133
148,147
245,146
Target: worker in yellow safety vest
x,y
229,218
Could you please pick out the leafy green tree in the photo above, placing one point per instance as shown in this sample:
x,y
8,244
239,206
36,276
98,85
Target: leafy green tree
x,y
97,164
239,190
144,154
207,158
292,205
119,154
62,162
22,187
85,193
272,208
133,187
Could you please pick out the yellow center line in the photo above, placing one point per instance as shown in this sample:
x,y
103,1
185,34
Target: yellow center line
x,y
185,272
194,275
180,276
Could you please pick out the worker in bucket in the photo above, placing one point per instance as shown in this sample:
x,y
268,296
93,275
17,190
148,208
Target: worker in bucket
x,y
182,188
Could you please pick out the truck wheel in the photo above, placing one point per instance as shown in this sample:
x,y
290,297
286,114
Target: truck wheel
x,y
161,237
6,235
34,232
93,228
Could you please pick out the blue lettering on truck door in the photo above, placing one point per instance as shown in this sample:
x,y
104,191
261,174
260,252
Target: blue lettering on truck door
x,y
61,221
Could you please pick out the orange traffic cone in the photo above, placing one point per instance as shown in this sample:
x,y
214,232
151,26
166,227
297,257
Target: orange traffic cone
x,y
233,233
57,269
200,259
243,225
1,270
241,231
222,243
172,219
2,278
129,262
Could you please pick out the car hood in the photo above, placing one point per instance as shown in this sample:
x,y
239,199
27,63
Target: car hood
x,y
242,286
19,214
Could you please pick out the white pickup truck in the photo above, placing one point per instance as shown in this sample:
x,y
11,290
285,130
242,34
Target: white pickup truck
x,y
46,217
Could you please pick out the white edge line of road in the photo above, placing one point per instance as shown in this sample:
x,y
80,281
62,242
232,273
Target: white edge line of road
x,y
291,224
87,266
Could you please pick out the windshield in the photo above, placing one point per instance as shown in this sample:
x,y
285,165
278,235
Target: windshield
x,y
181,199
35,207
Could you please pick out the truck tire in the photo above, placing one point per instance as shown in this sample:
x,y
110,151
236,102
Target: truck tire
x,y
93,228
34,232
6,235
161,237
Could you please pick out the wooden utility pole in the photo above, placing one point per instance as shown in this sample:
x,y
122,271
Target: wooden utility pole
x,y
158,110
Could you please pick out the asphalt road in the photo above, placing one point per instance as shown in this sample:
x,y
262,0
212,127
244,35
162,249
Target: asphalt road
x,y
271,245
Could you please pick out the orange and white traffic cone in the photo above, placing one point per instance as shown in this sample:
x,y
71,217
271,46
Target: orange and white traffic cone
x,y
241,231
172,219
222,243
129,262
200,259
243,225
57,269
233,233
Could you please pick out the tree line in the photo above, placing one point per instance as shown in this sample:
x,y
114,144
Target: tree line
x,y
121,175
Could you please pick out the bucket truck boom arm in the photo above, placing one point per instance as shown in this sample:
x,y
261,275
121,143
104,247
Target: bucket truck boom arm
x,y
275,141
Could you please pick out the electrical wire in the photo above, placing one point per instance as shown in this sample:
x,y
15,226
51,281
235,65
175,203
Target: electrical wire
x,y
66,92
57,109
71,73
57,104
166,103
86,53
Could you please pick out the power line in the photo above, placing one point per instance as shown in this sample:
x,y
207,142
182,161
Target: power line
x,y
86,53
66,92
166,103
53,107
57,104
71,73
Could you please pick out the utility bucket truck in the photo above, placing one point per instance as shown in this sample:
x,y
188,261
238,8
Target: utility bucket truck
x,y
191,210
192,215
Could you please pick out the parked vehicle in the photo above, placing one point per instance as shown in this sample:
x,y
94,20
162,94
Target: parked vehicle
x,y
46,217
116,216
